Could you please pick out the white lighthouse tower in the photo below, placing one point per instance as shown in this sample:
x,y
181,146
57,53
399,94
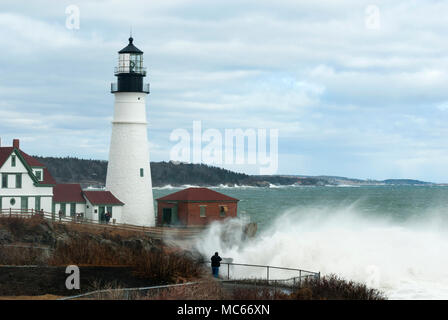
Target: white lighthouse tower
x,y
128,171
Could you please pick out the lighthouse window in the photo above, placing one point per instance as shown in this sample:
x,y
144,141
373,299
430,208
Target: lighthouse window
x,y
141,172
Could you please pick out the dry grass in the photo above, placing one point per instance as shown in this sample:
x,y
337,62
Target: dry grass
x,y
333,287
163,264
107,232
264,293
167,266
86,251
22,256
207,290
42,297
20,226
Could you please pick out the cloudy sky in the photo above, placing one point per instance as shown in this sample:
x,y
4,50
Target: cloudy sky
x,y
355,88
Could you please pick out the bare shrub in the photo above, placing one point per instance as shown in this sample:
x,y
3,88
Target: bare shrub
x,y
167,266
333,287
87,251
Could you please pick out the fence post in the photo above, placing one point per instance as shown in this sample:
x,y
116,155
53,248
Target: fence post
x,y
10,212
228,271
267,268
300,279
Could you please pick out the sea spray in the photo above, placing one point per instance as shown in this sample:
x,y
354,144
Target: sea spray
x,y
406,259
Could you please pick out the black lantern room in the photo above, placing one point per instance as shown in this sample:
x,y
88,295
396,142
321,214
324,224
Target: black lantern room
x,y
130,70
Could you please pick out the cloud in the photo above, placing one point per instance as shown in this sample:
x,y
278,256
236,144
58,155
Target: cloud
x,y
346,100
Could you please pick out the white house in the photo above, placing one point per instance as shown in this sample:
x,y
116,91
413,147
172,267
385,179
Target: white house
x,y
27,185
25,182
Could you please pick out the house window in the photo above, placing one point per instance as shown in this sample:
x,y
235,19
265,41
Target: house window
x,y
12,201
202,211
39,175
37,205
222,211
4,180
18,180
13,161
141,172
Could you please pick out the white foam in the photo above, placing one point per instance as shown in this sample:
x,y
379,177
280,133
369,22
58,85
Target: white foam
x,y
406,260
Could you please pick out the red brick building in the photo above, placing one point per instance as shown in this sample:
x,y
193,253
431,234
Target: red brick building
x,y
195,207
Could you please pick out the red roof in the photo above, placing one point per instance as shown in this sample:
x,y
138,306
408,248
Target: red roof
x,y
5,152
30,160
47,178
102,197
197,194
68,193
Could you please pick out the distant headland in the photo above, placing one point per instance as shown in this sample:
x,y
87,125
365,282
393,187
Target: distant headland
x,y
93,173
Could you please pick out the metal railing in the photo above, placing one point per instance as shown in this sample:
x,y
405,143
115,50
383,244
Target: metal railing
x,y
302,274
128,292
127,69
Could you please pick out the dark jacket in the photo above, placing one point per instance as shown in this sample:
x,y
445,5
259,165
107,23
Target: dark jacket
x,y
215,261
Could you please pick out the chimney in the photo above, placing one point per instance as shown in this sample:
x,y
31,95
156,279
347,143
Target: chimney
x,y
16,143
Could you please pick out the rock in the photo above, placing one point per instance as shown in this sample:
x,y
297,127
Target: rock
x,y
5,236
133,243
108,243
44,234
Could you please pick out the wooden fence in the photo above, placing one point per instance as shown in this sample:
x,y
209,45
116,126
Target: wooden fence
x,y
156,232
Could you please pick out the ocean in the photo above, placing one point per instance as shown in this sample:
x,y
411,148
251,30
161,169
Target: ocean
x,y
393,238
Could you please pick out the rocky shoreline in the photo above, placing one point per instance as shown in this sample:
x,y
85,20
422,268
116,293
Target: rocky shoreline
x,y
35,252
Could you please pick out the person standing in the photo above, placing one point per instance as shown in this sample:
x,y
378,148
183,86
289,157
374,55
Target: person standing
x,y
108,216
216,264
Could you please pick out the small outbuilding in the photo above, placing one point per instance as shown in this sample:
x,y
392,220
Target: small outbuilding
x,y
101,202
195,207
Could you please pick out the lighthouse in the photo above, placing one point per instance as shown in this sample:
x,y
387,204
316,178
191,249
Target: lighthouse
x,y
128,172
